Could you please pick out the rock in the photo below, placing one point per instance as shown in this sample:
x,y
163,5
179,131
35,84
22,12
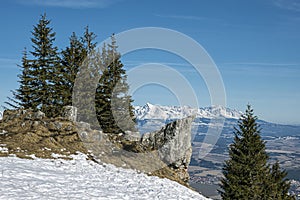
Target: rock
x,y
177,150
132,136
173,143
39,115
70,113
55,126
83,126
34,124
83,135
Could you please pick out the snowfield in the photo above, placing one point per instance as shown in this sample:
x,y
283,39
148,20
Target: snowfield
x,y
82,179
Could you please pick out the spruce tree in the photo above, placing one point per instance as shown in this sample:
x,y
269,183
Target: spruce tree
x,y
279,187
87,78
247,175
113,104
72,58
22,97
44,63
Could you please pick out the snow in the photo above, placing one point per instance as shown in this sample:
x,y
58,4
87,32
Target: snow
x,y
82,179
1,114
150,111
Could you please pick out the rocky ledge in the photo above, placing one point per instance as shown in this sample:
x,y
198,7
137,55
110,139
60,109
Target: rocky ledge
x,y
165,153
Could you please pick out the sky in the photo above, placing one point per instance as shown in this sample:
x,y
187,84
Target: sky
x,y
255,46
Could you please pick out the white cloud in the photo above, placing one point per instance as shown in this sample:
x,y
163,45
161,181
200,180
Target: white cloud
x,y
293,5
75,4
8,63
264,64
184,17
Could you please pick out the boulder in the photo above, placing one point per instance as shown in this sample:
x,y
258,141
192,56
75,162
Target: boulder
x,y
176,148
70,113
173,143
132,136
39,115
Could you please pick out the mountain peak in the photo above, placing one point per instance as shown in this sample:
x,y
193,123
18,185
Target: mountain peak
x,y
150,111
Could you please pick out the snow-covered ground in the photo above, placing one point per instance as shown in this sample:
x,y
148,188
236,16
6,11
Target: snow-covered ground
x,y
82,179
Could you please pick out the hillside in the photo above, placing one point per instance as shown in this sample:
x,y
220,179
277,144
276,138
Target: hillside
x,y
282,142
82,179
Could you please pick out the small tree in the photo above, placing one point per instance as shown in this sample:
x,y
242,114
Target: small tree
x,y
247,174
279,187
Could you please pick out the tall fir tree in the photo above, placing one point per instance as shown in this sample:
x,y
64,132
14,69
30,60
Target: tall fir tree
x,y
86,79
44,63
22,97
247,173
113,104
72,58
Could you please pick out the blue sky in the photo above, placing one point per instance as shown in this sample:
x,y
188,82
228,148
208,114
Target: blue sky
x,y
255,45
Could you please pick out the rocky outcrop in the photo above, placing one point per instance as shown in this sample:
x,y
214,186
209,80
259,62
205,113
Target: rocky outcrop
x,y
26,133
173,143
165,153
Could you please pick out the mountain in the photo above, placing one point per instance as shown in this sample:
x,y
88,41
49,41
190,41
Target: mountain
x,y
1,114
282,142
82,179
150,111
151,117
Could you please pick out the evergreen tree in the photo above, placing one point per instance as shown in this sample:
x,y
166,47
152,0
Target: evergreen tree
x,y
247,174
113,104
87,78
279,187
43,67
22,97
72,58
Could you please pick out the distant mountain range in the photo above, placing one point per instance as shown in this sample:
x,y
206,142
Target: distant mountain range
x,y
150,111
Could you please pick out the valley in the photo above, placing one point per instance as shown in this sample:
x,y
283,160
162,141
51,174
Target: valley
x,y
282,143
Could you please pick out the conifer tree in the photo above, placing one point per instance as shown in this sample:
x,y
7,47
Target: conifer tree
x,y
22,97
86,79
44,63
247,174
113,104
72,58
279,185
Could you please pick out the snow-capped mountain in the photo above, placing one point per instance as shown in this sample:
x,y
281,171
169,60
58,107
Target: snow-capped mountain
x,y
1,114
82,179
150,111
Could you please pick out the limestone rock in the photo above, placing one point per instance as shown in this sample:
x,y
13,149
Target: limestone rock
x,y
177,150
39,115
70,113
173,143
132,136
